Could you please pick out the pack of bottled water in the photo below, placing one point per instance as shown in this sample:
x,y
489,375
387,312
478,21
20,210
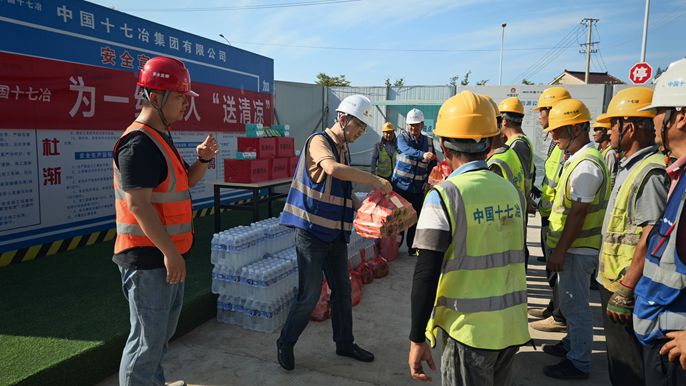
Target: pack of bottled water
x,y
238,246
356,244
277,237
253,314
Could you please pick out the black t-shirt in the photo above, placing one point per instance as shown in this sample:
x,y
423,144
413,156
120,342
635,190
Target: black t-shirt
x,y
142,165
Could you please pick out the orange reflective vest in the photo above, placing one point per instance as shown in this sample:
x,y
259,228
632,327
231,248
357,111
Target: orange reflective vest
x,y
171,199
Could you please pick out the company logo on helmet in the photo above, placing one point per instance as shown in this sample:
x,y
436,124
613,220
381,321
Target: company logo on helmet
x,y
571,112
160,75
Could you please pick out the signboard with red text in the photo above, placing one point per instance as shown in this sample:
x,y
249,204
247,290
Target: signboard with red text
x,y
68,72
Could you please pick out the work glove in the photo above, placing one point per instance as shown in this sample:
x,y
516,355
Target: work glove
x,y
621,304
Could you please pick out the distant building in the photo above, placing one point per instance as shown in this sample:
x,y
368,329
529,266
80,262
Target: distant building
x,y
577,77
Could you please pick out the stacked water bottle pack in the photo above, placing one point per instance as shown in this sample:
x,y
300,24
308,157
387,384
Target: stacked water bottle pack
x,y
255,274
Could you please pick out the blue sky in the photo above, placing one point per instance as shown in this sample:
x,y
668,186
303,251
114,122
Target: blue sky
x,y
426,42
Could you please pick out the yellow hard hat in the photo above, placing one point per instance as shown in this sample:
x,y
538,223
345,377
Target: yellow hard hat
x,y
388,126
567,112
511,105
495,106
550,96
601,122
466,116
628,103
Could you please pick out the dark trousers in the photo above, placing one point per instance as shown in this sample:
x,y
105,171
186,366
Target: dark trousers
x,y
316,257
657,369
417,200
624,358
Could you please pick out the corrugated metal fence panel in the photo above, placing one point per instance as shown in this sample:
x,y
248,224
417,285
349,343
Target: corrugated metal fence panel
x,y
361,150
301,106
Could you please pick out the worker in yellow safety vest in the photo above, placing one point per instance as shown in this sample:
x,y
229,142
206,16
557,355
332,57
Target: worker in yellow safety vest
x,y
512,112
601,136
470,232
636,204
385,153
576,218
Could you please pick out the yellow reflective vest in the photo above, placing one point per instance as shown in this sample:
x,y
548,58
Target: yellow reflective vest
x,y
553,168
507,161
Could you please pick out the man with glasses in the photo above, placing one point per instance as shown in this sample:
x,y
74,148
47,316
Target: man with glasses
x,y
416,158
320,206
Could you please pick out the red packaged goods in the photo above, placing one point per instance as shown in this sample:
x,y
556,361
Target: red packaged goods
x,y
264,147
356,283
278,168
389,247
379,267
439,173
384,215
366,274
285,146
293,166
323,309
246,171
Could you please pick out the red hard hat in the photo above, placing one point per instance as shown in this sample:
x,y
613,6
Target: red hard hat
x,y
167,74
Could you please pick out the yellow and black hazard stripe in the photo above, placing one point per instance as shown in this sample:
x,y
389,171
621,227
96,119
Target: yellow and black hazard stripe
x,y
59,246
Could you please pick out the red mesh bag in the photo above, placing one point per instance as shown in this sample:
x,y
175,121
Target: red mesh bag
x,y
366,274
356,283
379,267
439,173
383,215
389,247
323,309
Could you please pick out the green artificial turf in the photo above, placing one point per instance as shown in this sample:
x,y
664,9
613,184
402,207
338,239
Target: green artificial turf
x,y
64,319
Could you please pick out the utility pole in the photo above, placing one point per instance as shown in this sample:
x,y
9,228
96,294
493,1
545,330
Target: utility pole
x,y
645,32
589,46
502,42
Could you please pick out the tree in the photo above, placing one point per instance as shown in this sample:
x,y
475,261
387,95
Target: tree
x,y
658,72
397,83
453,80
482,82
465,78
332,81
527,81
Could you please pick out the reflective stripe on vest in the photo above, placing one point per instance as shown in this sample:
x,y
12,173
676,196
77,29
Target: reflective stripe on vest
x,y
486,217
323,209
385,162
589,236
506,159
621,236
171,200
528,170
412,170
553,169
661,292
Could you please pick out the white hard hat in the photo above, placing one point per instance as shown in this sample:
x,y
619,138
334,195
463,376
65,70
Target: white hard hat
x,y
670,87
414,116
359,106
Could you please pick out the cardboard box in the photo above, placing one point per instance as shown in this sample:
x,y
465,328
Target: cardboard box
x,y
264,147
285,146
293,165
246,171
278,168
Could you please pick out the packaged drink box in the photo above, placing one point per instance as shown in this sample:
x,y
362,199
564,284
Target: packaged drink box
x,y
246,171
285,146
264,147
293,165
278,168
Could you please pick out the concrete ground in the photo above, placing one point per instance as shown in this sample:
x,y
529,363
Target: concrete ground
x,y
219,354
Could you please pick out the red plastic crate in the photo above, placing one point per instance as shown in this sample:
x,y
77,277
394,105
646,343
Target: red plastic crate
x,y
246,171
285,146
264,147
278,168
293,165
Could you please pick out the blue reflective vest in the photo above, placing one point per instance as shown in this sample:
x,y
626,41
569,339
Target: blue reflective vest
x,y
661,292
411,171
323,209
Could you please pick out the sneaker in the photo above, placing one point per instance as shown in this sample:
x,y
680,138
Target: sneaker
x,y
284,354
549,325
564,370
557,349
540,312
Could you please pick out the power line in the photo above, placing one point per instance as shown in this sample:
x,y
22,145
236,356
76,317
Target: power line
x,y
426,50
243,7
561,46
653,25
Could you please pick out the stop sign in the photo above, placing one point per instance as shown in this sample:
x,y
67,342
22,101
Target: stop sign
x,y
640,73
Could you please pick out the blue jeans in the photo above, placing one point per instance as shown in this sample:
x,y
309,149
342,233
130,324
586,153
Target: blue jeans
x,y
574,292
316,257
154,308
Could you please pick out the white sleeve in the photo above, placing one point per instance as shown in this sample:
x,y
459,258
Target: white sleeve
x,y
585,181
